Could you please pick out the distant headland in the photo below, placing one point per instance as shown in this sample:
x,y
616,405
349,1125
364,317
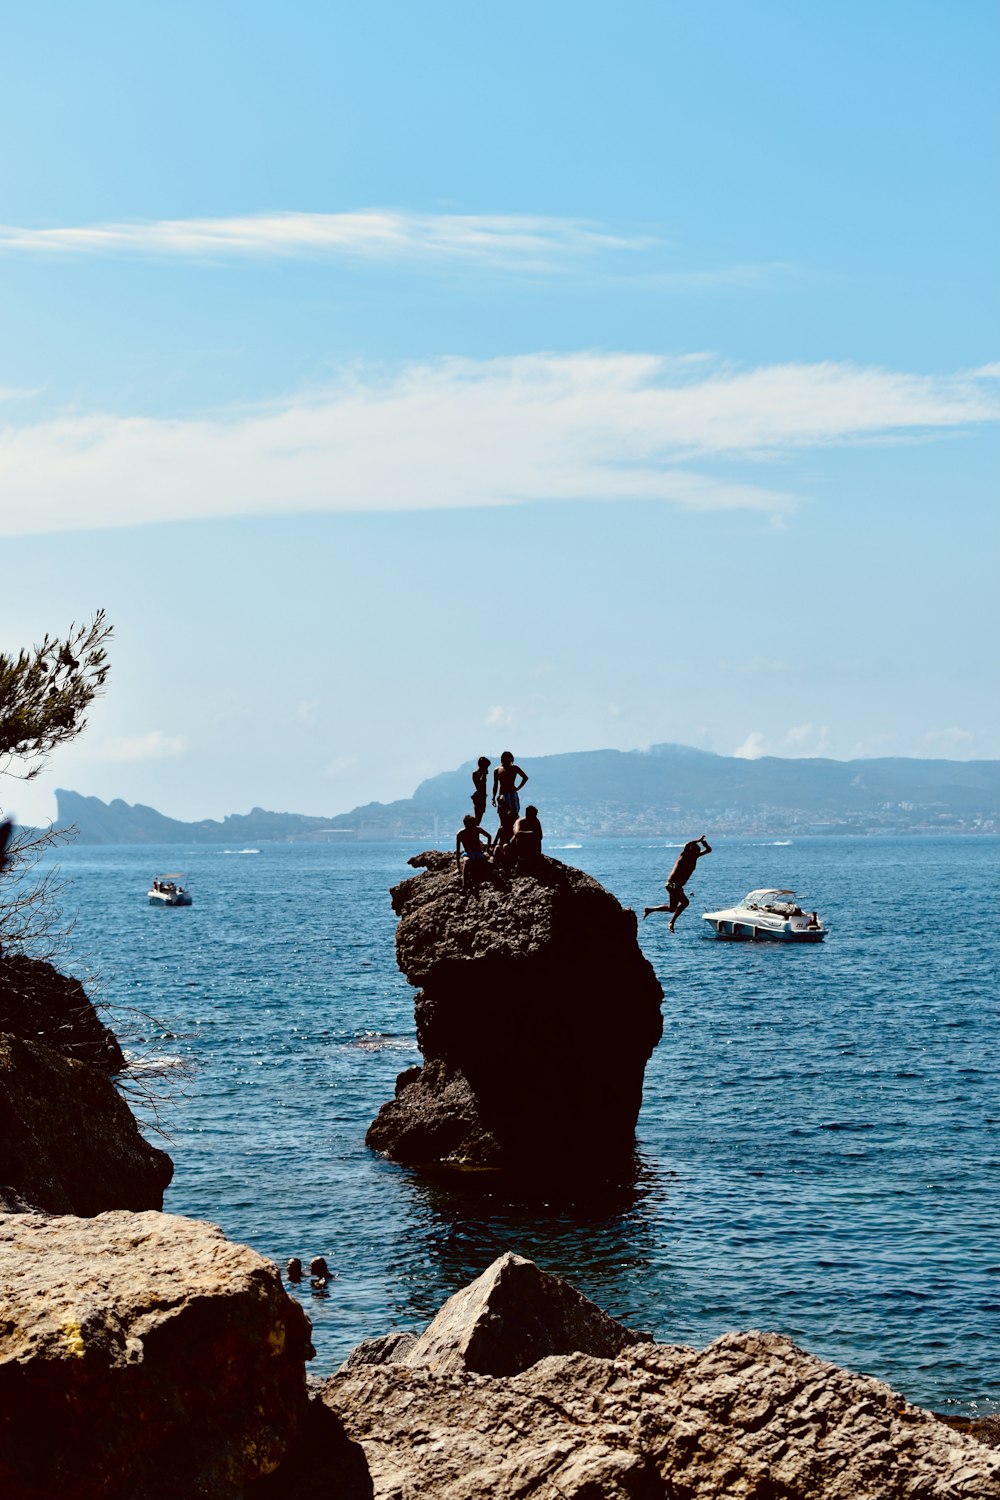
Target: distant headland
x,y
660,792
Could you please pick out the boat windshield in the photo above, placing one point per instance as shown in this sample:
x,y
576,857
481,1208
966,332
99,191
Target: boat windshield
x,y
760,900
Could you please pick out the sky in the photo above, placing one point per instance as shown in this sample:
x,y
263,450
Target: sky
x,y
417,380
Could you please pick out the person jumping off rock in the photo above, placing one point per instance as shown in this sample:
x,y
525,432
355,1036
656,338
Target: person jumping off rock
x,y
678,878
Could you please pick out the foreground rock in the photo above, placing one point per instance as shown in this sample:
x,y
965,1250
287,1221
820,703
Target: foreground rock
x,y
508,1319
142,1357
751,1417
69,1143
536,1016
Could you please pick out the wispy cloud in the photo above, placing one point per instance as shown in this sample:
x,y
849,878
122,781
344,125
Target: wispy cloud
x,y
808,740
527,241
141,747
955,743
802,741
499,717
463,433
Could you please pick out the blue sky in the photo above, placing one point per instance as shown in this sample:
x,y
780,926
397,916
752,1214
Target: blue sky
x,y
411,381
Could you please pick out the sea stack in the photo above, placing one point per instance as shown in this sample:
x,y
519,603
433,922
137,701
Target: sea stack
x,y
536,1014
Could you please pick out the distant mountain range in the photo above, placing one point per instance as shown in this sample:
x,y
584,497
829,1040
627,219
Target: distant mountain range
x,y
667,790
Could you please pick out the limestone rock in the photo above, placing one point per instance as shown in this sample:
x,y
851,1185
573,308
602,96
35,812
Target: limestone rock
x,y
536,1016
390,1349
142,1357
511,1317
39,1004
322,1464
752,1417
68,1141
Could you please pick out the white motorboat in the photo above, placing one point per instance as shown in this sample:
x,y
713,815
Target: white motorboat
x,y
772,916
167,890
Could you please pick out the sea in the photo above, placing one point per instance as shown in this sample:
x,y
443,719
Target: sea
x,y
817,1147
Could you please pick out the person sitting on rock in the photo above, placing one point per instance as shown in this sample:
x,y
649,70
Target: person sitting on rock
x,y
479,783
505,789
475,843
526,840
679,876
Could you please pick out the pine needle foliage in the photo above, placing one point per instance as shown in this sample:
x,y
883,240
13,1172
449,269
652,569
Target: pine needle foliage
x,y
45,694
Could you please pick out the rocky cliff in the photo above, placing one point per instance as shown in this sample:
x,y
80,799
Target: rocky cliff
x,y
69,1144
536,1015
39,1004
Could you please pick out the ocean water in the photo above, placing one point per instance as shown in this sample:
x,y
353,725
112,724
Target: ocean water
x,y
818,1141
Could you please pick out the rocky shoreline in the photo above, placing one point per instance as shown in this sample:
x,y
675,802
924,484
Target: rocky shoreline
x,y
143,1356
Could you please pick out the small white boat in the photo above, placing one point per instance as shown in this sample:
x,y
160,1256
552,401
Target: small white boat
x,y
167,890
771,916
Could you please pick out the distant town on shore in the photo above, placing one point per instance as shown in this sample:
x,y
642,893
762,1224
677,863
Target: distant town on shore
x,y
665,791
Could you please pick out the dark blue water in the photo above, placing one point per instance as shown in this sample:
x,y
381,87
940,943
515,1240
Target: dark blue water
x,y
818,1140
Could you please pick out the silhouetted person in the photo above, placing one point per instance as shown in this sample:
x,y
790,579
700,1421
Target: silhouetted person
x,y
526,841
474,842
293,1270
505,789
678,878
479,776
7,833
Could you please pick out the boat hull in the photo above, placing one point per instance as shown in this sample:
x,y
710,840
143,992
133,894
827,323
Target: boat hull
x,y
746,927
173,898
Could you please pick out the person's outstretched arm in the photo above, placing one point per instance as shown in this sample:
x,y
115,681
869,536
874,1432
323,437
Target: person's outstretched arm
x,y
707,849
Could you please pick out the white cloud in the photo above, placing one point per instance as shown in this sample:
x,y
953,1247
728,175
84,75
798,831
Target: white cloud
x,y
499,717
801,741
152,746
953,740
807,740
339,765
307,712
508,240
752,747
461,433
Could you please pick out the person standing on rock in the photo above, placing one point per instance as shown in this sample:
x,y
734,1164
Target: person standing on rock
x,y
479,783
678,878
474,842
505,789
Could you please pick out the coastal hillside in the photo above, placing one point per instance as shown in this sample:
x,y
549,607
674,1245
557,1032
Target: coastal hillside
x,y
663,791
119,822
